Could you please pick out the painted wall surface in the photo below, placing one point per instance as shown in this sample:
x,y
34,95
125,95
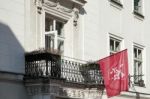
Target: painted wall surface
x,y
12,31
20,31
103,18
11,90
12,35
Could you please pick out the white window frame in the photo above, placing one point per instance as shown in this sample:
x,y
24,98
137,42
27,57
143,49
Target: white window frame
x,y
54,34
116,39
139,7
143,59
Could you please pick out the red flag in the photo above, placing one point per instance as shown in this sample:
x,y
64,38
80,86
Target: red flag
x,y
114,69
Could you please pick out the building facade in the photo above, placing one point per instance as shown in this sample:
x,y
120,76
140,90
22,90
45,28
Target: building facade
x,y
49,48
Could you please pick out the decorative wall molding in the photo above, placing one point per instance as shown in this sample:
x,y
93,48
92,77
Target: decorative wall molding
x,y
38,4
11,77
51,4
34,89
76,17
59,9
57,6
79,2
61,91
66,10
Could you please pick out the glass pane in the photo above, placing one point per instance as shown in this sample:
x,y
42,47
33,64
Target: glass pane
x,y
140,71
135,72
140,68
135,68
136,2
139,54
49,42
111,45
59,28
117,46
137,5
135,53
60,45
48,24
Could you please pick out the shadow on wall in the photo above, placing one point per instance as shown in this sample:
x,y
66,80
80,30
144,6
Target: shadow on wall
x,y
11,51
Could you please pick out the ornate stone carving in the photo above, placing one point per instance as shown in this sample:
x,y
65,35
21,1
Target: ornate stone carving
x,y
66,10
76,17
57,5
38,4
73,93
58,90
51,4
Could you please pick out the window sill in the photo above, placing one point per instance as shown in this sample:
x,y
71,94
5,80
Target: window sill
x,y
137,85
140,84
117,2
138,14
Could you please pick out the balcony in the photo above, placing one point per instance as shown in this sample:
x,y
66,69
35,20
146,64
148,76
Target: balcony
x,y
45,66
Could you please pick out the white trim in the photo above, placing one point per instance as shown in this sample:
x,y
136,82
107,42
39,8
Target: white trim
x,y
115,36
57,13
54,33
83,36
144,66
54,25
118,38
78,2
143,8
43,30
36,26
132,62
132,5
139,46
50,32
108,44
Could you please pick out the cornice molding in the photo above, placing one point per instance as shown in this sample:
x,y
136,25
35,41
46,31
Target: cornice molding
x,y
64,9
11,77
55,8
79,2
51,4
57,12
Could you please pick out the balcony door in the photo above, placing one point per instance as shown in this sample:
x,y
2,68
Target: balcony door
x,y
54,34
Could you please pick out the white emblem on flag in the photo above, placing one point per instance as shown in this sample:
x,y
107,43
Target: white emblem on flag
x,y
117,72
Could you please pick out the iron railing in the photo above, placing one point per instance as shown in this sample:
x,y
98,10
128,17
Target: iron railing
x,y
41,65
138,80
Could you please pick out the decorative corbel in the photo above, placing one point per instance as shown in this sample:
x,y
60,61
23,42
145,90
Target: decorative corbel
x,y
76,17
38,4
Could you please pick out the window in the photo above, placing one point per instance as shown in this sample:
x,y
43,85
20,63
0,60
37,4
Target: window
x,y
138,64
115,45
138,5
54,34
138,8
